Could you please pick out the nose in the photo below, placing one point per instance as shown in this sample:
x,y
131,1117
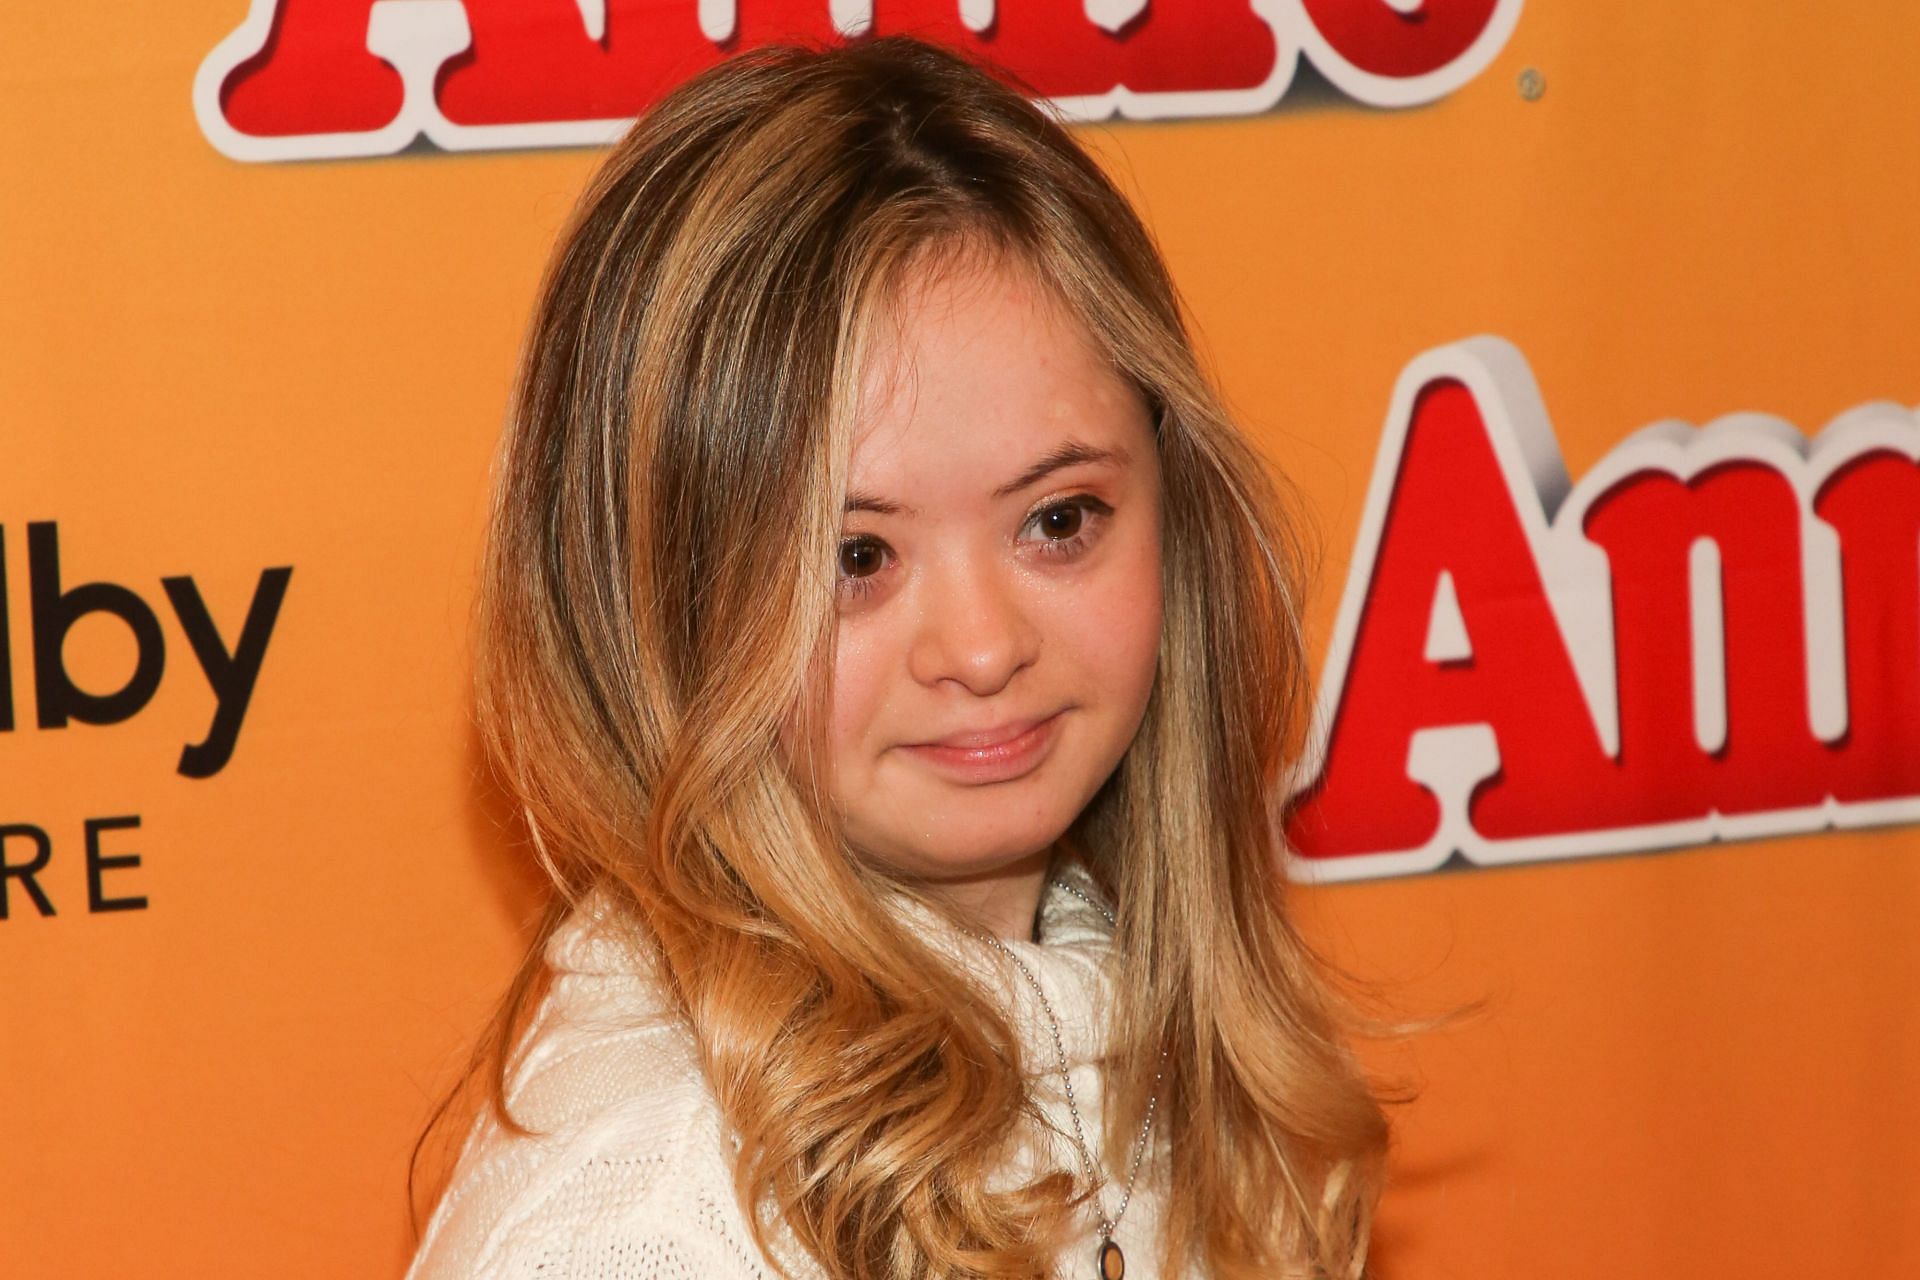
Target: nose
x,y
974,628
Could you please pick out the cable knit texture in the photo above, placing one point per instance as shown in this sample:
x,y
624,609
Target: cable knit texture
x,y
630,1174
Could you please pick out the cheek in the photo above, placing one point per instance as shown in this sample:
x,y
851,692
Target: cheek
x,y
1115,625
859,689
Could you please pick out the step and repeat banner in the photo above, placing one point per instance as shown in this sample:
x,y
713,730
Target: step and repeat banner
x,y
1587,333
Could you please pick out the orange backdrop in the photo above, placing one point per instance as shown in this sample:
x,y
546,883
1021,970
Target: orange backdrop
x,y
1698,1062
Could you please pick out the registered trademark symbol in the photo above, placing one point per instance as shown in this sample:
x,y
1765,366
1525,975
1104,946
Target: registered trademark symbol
x,y
1532,85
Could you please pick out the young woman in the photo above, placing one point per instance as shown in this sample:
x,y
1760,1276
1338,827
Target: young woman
x,y
894,650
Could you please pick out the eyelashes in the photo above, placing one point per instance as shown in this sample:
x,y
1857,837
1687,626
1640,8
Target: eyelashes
x,y
855,586
1087,513
1078,521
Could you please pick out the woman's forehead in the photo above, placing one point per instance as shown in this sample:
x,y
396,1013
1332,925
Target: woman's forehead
x,y
984,353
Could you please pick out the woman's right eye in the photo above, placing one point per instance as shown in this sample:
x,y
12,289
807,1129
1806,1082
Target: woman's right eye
x,y
860,559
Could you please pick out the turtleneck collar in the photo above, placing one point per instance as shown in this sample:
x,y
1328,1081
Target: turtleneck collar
x,y
1068,961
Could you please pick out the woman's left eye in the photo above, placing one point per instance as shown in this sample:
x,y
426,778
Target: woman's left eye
x,y
1067,526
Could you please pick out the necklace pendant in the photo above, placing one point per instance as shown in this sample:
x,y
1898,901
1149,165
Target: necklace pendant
x,y
1112,1262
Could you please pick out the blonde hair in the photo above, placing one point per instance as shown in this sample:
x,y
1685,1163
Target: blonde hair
x,y
657,609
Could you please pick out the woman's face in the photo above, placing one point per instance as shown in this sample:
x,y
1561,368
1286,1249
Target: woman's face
x,y
999,579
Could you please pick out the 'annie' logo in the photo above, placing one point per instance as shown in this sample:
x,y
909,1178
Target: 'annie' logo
x,y
1714,634
368,77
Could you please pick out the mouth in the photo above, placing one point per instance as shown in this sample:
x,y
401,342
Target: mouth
x,y
993,736
999,753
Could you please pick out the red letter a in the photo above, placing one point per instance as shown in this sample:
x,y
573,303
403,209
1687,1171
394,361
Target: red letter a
x,y
1447,625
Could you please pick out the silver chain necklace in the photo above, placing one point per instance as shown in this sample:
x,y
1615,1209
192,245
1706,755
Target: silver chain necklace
x,y
1109,1262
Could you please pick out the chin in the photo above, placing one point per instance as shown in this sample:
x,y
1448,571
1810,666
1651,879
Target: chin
x,y
982,861
925,825
969,849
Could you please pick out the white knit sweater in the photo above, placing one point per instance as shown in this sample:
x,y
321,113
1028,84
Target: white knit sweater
x,y
631,1177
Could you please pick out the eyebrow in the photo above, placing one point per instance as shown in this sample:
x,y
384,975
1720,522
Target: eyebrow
x,y
1069,453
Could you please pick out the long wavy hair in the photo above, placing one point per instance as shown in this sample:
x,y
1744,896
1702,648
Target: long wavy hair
x,y
657,616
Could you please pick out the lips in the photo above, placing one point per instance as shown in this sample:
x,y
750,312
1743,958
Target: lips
x,y
999,753
1006,731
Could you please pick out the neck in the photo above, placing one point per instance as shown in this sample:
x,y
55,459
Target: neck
x,y
1004,901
